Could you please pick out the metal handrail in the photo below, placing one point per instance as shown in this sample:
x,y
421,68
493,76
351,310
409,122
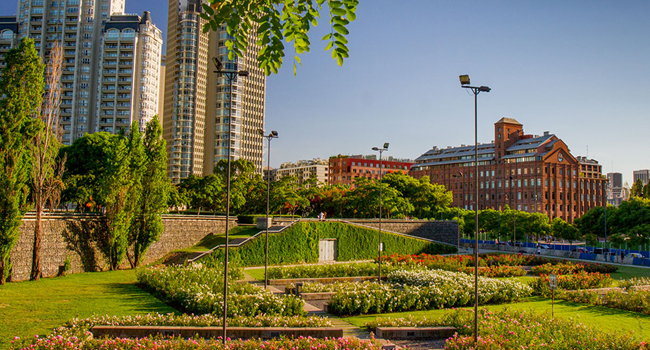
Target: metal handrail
x,y
240,243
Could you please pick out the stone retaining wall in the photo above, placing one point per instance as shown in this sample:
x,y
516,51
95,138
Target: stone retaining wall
x,y
442,231
79,237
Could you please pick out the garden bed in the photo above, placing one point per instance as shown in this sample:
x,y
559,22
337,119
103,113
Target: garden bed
x,y
215,332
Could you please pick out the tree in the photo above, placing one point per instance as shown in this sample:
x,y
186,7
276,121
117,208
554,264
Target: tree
x,y
21,91
147,226
564,230
47,168
637,189
646,191
272,21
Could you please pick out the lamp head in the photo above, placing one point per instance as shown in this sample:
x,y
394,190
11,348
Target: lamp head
x,y
242,73
217,63
375,149
464,79
260,131
274,133
386,145
484,89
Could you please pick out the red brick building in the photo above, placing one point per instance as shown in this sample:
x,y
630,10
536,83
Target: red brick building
x,y
344,169
526,172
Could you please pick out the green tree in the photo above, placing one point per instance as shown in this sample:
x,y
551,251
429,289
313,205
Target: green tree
x,y
631,220
646,191
637,189
564,230
272,21
21,91
147,226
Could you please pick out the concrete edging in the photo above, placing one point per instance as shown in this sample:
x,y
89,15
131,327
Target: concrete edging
x,y
405,333
214,332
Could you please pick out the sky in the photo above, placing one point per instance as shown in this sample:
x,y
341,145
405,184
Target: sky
x,y
578,69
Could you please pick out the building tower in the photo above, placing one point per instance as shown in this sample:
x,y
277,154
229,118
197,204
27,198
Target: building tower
x,y
8,37
130,58
197,99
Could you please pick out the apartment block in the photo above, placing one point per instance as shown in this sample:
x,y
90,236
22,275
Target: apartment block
x,y
302,170
344,169
200,122
130,68
8,37
526,172
616,193
643,175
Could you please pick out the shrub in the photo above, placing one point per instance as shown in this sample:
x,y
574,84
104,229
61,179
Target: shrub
x,y
299,244
636,281
580,280
199,290
496,271
558,269
424,290
517,329
328,270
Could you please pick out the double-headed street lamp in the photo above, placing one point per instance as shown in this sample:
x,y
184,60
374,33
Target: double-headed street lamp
x,y
464,82
230,75
272,135
380,150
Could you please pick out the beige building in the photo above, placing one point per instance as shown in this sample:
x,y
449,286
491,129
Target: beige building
x,y
105,53
8,37
303,170
130,69
198,117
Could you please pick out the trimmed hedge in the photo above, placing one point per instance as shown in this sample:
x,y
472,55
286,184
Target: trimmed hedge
x,y
299,244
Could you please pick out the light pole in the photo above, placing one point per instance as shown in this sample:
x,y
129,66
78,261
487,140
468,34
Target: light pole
x,y
459,175
514,215
230,75
381,176
464,82
272,135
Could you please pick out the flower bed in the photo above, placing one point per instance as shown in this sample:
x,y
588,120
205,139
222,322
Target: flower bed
x,y
309,287
424,290
567,268
636,281
496,271
199,290
580,280
327,270
60,342
631,300
516,329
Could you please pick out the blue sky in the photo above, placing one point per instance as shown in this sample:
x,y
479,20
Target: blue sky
x,y
579,69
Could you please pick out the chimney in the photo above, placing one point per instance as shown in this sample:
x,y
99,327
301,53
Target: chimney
x,y
546,133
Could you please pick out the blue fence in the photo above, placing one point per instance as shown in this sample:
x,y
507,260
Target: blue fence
x,y
645,261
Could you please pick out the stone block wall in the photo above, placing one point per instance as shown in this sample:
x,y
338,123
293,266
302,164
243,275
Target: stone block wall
x,y
441,231
80,238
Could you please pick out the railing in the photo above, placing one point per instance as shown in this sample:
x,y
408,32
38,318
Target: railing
x,y
241,243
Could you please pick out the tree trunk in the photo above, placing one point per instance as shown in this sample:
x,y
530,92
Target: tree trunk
x,y
36,254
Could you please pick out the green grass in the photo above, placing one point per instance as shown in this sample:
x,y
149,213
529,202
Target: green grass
x,y
606,319
30,308
625,272
257,273
210,241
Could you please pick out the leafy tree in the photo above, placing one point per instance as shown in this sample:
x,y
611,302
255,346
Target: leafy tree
x,y
21,91
147,226
646,191
425,197
637,189
632,220
242,172
564,230
272,21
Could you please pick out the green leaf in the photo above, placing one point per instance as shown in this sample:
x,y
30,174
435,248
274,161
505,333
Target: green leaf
x,y
351,16
340,38
329,46
208,9
327,37
339,60
338,11
341,29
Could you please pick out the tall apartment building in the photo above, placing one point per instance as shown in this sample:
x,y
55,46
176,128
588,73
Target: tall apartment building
x,y
615,191
303,170
130,66
344,169
198,118
643,175
86,31
8,37
526,172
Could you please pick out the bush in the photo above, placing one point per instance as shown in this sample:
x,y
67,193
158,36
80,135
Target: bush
x,y
328,270
299,244
580,280
199,290
516,329
424,290
496,271
636,281
558,269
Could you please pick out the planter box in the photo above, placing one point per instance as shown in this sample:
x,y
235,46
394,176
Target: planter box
x,y
214,332
405,333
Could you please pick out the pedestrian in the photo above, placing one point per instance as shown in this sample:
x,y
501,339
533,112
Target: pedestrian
x,y
320,216
324,215
539,250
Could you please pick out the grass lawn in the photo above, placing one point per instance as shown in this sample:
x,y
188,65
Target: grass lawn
x,y
257,273
625,272
211,241
30,308
606,319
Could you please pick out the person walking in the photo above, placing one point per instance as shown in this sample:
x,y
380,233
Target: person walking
x,y
539,250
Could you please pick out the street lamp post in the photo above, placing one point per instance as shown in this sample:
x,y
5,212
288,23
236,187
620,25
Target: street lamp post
x,y
514,214
459,175
381,176
230,75
464,82
269,137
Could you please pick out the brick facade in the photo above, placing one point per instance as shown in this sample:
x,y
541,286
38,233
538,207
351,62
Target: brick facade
x,y
344,169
